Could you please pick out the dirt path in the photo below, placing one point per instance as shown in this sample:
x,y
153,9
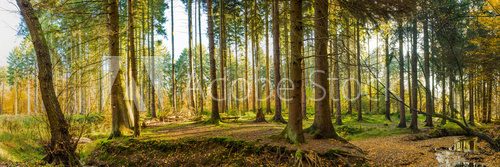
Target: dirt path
x,y
400,151
381,151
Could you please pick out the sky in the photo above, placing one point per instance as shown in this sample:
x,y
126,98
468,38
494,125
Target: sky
x,y
9,23
10,18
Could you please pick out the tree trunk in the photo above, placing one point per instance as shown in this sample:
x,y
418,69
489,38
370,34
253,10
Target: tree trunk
x,y
402,114
133,66
387,79
322,126
471,99
414,79
202,83
348,55
293,131
336,76
222,52
268,78
152,59
359,95
174,93
490,100
277,62
190,53
260,114
428,96
247,92
214,117
61,149
443,94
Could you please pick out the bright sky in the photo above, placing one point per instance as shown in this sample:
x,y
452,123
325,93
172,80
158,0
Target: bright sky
x,y
9,22
10,18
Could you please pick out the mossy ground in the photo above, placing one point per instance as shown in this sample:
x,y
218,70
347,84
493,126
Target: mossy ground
x,y
22,137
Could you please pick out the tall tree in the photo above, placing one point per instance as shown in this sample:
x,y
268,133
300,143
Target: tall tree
x,y
214,117
358,62
277,61
388,59
414,79
336,76
133,65
260,117
152,59
174,102
402,114
322,126
268,78
247,92
222,54
293,131
428,96
202,83
61,147
191,69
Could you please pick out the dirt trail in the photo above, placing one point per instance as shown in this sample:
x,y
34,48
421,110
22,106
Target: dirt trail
x,y
400,151
381,151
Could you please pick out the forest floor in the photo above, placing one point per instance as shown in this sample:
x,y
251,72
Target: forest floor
x,y
379,142
241,142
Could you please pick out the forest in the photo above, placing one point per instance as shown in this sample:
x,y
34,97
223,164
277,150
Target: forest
x,y
252,83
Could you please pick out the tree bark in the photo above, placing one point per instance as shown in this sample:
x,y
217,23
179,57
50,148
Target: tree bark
x,y
402,114
260,114
174,93
268,78
387,79
471,99
293,132
322,126
247,92
336,76
358,62
414,79
152,59
190,53
222,53
348,56
214,117
133,66
61,149
202,81
277,62
428,95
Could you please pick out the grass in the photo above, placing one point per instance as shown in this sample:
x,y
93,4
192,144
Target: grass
x,y
22,137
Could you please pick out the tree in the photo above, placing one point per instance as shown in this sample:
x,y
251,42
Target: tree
x,y
268,78
118,107
402,114
277,61
222,54
202,83
191,69
358,62
133,65
174,102
260,117
214,117
322,126
428,95
293,131
414,79
336,76
388,59
61,149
